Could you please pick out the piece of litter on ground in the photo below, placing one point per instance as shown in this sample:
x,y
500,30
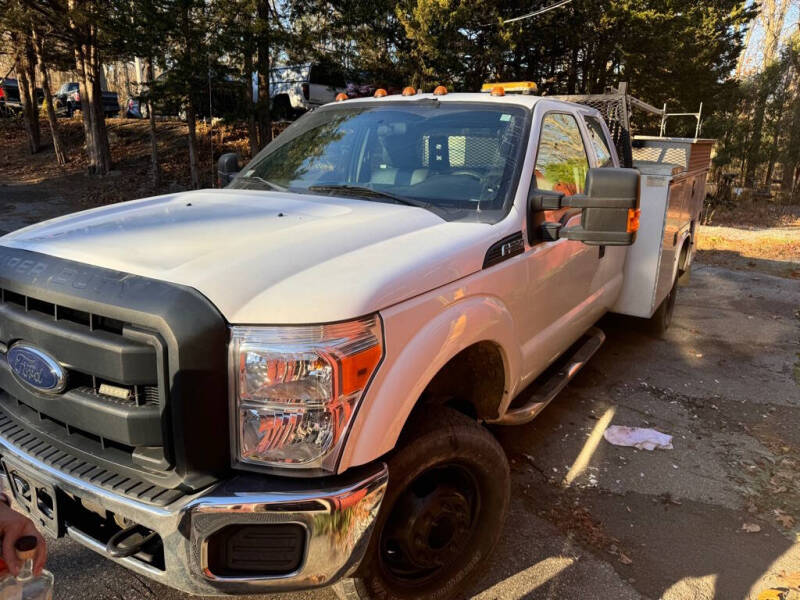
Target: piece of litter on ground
x,y
624,559
751,528
637,437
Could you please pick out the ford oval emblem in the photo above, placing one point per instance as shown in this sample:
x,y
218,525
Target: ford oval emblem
x,y
36,368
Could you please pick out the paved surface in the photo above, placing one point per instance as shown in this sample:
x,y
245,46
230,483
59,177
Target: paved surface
x,y
22,205
725,382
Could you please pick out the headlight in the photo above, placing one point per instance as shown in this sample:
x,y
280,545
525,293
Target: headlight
x,y
296,388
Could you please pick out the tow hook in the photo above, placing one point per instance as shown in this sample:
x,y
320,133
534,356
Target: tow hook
x,y
129,541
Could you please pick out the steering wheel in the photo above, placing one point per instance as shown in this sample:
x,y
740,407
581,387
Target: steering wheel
x,y
467,173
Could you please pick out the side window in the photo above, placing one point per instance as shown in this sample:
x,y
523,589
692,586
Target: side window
x,y
599,142
561,164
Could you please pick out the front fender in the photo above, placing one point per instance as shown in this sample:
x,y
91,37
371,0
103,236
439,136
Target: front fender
x,y
420,339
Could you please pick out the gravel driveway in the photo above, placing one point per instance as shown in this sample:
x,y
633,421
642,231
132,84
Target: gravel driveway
x,y
725,382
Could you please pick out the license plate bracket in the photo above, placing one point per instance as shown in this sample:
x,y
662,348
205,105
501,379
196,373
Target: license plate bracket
x,y
38,497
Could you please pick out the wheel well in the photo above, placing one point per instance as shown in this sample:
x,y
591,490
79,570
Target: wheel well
x,y
684,255
472,382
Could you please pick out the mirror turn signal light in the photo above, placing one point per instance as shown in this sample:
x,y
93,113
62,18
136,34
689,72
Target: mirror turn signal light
x,y
633,219
409,91
380,93
440,91
498,90
341,96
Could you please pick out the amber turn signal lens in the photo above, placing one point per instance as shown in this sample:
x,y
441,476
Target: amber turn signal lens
x,y
380,93
633,219
498,90
357,369
409,91
440,90
341,96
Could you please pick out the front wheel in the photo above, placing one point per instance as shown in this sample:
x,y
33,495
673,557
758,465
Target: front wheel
x,y
448,495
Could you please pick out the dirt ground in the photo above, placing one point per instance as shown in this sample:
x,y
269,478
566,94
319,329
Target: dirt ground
x,y
717,517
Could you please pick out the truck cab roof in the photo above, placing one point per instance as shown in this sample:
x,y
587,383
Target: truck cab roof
x,y
527,101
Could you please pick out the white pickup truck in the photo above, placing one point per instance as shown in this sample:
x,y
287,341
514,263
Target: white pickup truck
x,y
296,89
283,384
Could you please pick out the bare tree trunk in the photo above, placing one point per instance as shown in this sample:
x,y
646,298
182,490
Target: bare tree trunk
x,y
773,17
86,116
87,64
128,93
754,146
252,130
96,104
264,120
741,64
770,171
787,181
191,121
26,71
58,147
154,170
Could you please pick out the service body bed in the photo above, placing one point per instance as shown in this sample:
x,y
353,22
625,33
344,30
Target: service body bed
x,y
674,172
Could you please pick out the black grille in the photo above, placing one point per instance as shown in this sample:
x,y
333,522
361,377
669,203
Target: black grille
x,y
147,364
62,313
118,388
126,395
86,382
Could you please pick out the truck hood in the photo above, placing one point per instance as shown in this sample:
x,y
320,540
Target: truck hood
x,y
270,257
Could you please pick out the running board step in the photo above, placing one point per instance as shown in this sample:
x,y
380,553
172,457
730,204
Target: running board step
x,y
539,396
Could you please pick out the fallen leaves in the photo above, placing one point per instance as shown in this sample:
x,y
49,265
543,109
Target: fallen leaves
x,y
786,520
751,527
791,580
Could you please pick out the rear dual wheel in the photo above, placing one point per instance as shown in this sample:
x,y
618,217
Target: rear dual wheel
x,y
444,509
662,318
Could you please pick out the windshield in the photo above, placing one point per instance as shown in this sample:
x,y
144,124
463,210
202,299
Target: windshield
x,y
459,160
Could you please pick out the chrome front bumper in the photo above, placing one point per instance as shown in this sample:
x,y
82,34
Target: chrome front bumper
x,y
337,514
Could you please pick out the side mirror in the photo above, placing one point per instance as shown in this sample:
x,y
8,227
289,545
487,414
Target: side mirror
x,y
227,168
610,209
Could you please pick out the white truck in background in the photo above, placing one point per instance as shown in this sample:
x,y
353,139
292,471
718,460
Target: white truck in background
x,y
295,89
283,384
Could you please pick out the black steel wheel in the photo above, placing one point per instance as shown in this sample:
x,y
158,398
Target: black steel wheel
x,y
448,494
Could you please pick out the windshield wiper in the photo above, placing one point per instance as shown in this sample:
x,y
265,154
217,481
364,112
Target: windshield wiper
x,y
269,184
359,191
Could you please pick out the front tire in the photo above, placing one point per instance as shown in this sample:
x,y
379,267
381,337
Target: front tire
x,y
444,509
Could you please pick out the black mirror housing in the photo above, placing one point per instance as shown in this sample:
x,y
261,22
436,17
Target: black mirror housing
x,y
228,167
610,208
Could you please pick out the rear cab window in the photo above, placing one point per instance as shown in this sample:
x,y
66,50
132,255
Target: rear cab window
x,y
599,141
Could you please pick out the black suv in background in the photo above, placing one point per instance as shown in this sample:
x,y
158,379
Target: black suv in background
x,y
68,100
